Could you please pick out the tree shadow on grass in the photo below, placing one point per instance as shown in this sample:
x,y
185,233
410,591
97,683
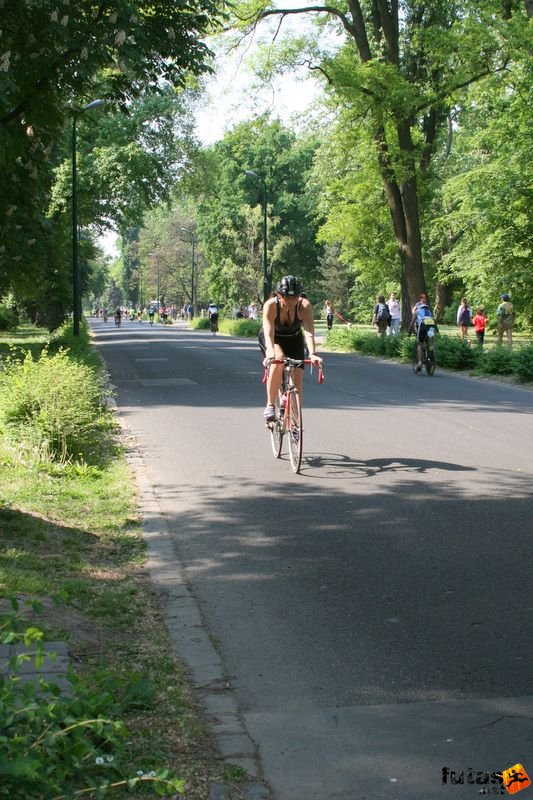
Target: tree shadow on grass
x,y
75,575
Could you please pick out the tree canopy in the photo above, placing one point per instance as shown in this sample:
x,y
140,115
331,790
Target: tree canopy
x,y
401,66
54,56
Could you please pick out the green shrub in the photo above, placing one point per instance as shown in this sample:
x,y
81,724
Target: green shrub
x,y
406,347
339,339
8,319
78,347
200,324
498,361
240,327
523,363
454,353
60,744
50,409
364,342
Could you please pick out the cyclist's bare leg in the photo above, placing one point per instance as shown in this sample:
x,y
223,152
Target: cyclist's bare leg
x,y
274,376
299,382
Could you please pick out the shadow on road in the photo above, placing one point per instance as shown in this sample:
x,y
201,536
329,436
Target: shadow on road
x,y
338,464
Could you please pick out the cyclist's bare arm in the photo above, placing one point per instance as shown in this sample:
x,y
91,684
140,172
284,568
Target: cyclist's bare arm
x,y
308,323
269,320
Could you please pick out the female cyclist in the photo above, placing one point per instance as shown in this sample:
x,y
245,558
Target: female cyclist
x,y
288,325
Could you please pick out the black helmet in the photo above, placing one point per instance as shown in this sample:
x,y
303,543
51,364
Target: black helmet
x,y
289,286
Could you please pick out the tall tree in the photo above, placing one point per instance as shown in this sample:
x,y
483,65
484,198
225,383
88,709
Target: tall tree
x,y
55,55
488,195
401,64
230,218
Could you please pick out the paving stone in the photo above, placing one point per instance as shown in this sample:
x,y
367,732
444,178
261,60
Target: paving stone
x,y
256,791
227,723
219,791
52,670
216,703
234,744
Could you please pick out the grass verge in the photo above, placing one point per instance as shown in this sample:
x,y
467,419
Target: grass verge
x,y
71,538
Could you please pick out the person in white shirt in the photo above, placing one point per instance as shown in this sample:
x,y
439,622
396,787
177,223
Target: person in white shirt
x,y
212,311
396,315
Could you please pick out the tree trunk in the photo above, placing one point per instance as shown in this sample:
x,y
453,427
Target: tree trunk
x,y
403,206
443,298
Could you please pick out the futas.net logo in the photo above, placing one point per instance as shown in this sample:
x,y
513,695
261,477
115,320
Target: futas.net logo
x,y
507,781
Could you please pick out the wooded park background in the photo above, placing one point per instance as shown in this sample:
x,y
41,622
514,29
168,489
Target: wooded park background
x,y
413,171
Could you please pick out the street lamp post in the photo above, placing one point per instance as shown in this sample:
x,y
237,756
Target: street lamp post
x,y
76,292
266,282
193,242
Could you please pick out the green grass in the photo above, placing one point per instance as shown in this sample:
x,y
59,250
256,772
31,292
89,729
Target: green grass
x,y
71,538
25,338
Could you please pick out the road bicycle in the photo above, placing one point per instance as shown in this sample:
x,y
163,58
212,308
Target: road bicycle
x,y
213,323
288,409
428,355
118,320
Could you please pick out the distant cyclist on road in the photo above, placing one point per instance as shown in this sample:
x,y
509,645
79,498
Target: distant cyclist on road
x,y
423,324
288,325
212,311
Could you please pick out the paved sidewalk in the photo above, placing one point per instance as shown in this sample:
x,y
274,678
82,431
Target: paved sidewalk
x,y
192,643
52,670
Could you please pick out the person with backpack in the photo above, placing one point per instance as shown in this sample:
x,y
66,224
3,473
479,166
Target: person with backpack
x,y
423,324
505,315
381,316
464,318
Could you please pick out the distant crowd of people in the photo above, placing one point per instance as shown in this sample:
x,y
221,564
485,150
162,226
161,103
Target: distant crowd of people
x,y
387,315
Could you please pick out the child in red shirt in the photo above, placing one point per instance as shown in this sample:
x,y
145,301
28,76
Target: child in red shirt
x,y
480,321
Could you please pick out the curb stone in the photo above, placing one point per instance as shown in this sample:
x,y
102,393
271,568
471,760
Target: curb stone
x,y
192,644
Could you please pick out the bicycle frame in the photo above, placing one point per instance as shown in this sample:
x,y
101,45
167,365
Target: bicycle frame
x,y
288,411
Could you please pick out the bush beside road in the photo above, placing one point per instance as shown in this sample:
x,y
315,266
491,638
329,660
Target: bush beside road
x,y
72,558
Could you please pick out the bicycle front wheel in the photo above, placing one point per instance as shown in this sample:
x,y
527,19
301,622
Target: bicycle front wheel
x,y
277,430
295,429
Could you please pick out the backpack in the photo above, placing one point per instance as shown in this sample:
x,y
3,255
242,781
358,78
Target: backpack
x,y
464,318
507,309
383,313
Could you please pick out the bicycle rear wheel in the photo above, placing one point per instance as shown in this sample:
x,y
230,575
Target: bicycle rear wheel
x,y
414,358
430,359
295,429
277,430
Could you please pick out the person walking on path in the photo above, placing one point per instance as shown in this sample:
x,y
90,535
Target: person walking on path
x,y
329,314
505,315
480,323
395,315
381,315
464,318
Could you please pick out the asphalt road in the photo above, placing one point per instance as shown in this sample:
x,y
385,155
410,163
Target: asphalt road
x,y
373,613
